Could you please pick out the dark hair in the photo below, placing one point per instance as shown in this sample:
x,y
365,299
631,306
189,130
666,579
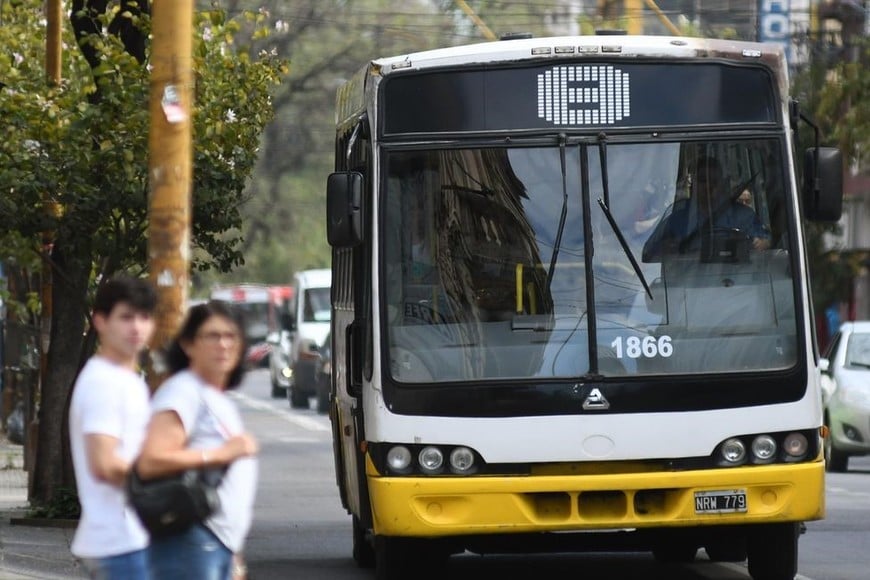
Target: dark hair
x,y
139,293
177,359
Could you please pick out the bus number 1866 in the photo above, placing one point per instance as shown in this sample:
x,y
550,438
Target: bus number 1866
x,y
646,347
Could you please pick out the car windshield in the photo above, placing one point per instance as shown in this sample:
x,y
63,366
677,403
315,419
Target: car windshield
x,y
858,353
256,317
490,274
316,307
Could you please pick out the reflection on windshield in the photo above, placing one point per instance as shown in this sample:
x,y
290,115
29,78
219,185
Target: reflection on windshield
x,y
858,353
469,241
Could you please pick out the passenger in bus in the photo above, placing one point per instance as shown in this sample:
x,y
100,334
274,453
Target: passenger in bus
x,y
711,205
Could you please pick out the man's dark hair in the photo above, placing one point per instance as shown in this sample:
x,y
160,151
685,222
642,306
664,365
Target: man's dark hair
x,y
177,359
139,293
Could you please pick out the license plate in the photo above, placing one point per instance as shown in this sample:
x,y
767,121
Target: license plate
x,y
720,501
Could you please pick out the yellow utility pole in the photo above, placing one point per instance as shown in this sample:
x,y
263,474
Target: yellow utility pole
x,y
53,17
633,16
170,166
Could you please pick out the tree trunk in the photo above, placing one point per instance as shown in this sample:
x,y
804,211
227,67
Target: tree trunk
x,y
53,466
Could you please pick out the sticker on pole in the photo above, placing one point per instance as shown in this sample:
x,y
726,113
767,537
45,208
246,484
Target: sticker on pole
x,y
171,103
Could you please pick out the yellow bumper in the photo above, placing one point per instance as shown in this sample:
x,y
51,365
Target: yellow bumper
x,y
449,506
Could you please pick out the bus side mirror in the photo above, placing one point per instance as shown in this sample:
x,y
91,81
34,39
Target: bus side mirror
x,y
344,209
824,366
823,184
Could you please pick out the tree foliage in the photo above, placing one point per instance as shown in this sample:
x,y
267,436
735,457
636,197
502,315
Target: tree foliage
x,y
326,42
834,94
74,163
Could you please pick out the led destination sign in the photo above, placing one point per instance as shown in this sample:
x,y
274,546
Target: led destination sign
x,y
577,96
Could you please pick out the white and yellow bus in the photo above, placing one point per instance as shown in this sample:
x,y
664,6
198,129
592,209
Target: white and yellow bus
x,y
544,327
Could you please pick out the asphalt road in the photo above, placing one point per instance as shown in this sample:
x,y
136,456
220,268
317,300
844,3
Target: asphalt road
x,y
301,531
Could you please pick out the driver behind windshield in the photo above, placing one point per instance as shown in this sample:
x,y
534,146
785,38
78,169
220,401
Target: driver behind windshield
x,y
710,205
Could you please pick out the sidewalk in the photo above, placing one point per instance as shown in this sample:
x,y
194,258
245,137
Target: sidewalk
x,y
28,549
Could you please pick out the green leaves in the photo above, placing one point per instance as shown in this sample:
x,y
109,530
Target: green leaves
x,y
85,143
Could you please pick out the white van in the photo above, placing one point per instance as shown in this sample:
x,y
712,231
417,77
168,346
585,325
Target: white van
x,y
308,328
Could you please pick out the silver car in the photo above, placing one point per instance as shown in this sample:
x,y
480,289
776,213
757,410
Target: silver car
x,y
846,394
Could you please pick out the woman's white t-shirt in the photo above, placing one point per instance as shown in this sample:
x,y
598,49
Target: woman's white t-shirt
x,y
108,399
209,418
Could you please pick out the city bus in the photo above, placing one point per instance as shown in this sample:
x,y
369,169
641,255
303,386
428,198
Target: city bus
x,y
530,354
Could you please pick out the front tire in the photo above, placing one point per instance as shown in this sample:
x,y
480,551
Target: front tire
x,y
363,551
297,400
278,391
772,551
835,460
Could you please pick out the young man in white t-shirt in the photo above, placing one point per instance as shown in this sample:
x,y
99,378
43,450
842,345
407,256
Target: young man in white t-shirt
x,y
108,418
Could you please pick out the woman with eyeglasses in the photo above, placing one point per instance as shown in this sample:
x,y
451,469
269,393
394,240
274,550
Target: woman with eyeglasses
x,y
194,424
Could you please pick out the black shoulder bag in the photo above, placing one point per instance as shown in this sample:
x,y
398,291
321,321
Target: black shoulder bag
x,y
172,504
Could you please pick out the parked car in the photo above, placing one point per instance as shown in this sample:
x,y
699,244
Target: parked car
x,y
279,360
323,374
846,394
309,326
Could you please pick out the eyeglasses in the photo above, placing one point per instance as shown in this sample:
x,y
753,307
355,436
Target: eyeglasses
x,y
215,337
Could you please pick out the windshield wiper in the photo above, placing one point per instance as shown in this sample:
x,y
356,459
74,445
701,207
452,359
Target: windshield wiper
x,y
602,156
563,139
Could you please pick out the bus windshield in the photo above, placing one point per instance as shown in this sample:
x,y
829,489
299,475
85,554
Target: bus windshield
x,y
491,274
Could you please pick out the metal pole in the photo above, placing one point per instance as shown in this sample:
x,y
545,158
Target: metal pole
x,y
170,167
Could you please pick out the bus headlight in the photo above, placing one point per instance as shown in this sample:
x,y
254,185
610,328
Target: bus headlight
x,y
461,460
733,451
764,448
399,458
431,460
795,445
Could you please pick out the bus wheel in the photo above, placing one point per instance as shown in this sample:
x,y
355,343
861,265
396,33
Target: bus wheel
x,y
773,551
835,460
363,551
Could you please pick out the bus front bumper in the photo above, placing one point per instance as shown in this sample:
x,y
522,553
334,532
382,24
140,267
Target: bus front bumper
x,y
453,506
